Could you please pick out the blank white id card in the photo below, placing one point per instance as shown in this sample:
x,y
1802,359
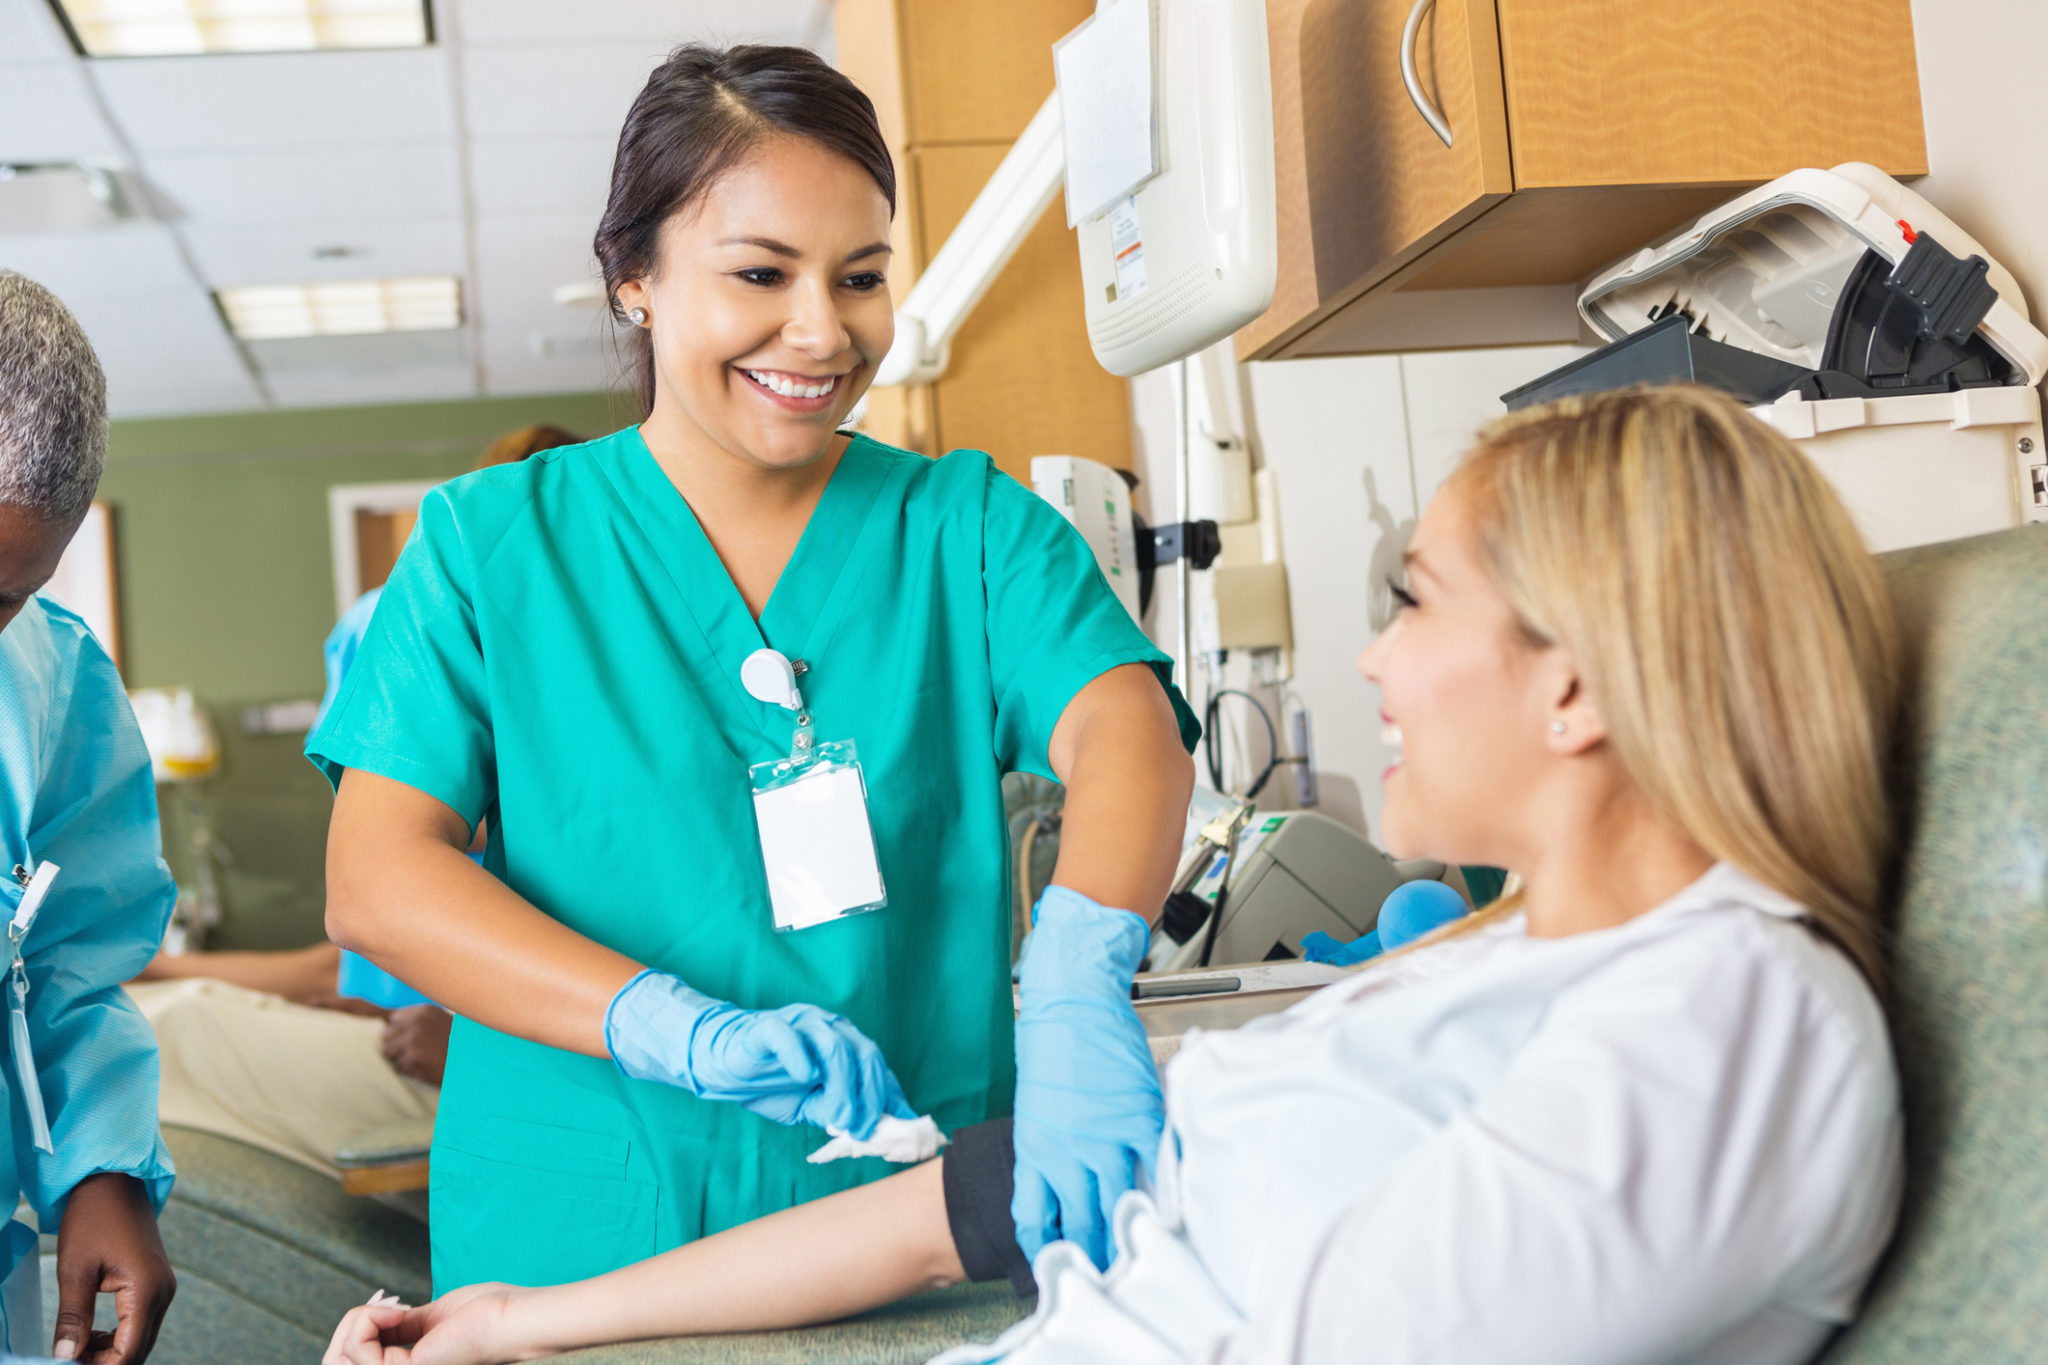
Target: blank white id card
x,y
817,845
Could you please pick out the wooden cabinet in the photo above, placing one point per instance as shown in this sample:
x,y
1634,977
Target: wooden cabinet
x,y
1580,130
954,82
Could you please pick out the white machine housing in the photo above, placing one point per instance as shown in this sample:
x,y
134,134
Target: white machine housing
x,y
1765,272
1296,872
1095,499
1206,220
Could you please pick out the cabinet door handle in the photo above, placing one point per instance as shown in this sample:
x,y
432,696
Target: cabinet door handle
x,y
1421,101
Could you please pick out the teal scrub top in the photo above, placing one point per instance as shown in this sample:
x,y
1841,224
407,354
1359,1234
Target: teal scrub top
x,y
558,651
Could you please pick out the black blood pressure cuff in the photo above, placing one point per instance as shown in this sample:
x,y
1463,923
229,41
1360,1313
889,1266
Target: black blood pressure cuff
x,y
980,1174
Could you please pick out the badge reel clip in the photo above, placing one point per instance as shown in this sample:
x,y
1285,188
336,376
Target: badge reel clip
x,y
34,887
817,844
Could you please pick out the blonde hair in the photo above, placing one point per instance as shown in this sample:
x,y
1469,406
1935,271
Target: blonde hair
x,y
1726,618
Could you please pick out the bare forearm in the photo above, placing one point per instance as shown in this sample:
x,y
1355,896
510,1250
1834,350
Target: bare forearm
x,y
293,973
817,1262
412,902
1128,782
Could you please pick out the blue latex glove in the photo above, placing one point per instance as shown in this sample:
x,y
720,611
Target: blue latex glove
x,y
1089,1112
1412,910
1320,947
796,1064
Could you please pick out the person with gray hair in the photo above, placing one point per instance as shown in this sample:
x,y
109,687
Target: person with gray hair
x,y
89,897
53,435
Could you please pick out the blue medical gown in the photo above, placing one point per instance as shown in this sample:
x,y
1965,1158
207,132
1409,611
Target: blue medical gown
x,y
76,790
359,977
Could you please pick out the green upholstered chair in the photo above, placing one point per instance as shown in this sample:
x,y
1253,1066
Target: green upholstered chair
x,y
1966,1280
269,1255
907,1333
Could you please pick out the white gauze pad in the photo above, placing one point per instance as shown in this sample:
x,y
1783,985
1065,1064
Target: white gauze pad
x,y
899,1140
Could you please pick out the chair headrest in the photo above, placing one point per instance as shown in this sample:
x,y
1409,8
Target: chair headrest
x,y
1970,977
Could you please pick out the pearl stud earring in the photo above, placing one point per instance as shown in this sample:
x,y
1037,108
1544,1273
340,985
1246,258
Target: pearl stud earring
x,y
1557,727
638,317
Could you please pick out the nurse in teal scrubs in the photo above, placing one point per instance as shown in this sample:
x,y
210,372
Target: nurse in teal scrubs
x,y
640,1057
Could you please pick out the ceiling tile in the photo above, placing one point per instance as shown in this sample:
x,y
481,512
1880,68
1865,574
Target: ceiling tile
x,y
544,176
526,301
164,393
340,184
285,255
518,372
398,385
166,353
184,324
29,32
259,160
723,21
139,258
280,100
47,113
516,346
556,249
333,356
554,91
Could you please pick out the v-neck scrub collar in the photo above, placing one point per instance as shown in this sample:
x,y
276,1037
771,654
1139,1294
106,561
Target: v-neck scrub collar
x,y
815,587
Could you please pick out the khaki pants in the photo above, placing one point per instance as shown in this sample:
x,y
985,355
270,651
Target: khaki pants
x,y
257,1068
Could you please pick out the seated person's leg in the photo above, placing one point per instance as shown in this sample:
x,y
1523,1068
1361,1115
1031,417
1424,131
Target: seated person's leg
x,y
290,1079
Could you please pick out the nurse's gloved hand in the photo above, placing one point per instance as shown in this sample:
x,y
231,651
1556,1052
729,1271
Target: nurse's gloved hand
x,y
796,1064
1089,1111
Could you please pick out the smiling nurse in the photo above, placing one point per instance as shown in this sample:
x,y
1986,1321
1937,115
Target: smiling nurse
x,y
640,1057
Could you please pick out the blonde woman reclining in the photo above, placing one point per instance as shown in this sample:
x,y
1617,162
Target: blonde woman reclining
x,y
1646,1112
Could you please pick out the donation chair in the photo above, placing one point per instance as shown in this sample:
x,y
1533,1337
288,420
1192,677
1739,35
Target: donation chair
x,y
1966,1279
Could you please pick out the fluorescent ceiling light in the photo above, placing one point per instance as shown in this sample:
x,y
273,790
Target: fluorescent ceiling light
x,y
267,312
159,28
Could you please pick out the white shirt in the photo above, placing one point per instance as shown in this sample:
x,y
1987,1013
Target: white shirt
x,y
1675,1140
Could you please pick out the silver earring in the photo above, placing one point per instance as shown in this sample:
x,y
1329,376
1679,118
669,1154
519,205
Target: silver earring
x,y
638,317
1557,727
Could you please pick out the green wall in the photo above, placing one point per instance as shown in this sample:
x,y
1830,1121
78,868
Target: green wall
x,y
227,587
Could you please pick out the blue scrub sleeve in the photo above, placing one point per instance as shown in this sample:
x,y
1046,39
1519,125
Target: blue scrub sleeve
x,y
1054,624
413,706
96,1057
344,642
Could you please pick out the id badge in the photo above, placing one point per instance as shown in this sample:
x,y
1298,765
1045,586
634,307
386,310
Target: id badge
x,y
817,844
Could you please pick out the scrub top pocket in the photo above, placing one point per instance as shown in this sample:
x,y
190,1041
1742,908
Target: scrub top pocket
x,y
566,1186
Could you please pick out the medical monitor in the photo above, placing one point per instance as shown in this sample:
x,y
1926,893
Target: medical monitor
x,y
1188,257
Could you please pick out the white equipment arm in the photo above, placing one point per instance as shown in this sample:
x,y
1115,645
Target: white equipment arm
x,y
1007,208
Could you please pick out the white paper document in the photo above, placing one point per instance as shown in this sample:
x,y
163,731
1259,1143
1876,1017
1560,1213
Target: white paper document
x,y
1105,73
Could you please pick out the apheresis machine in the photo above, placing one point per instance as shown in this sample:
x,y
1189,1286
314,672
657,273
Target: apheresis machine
x,y
1858,320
